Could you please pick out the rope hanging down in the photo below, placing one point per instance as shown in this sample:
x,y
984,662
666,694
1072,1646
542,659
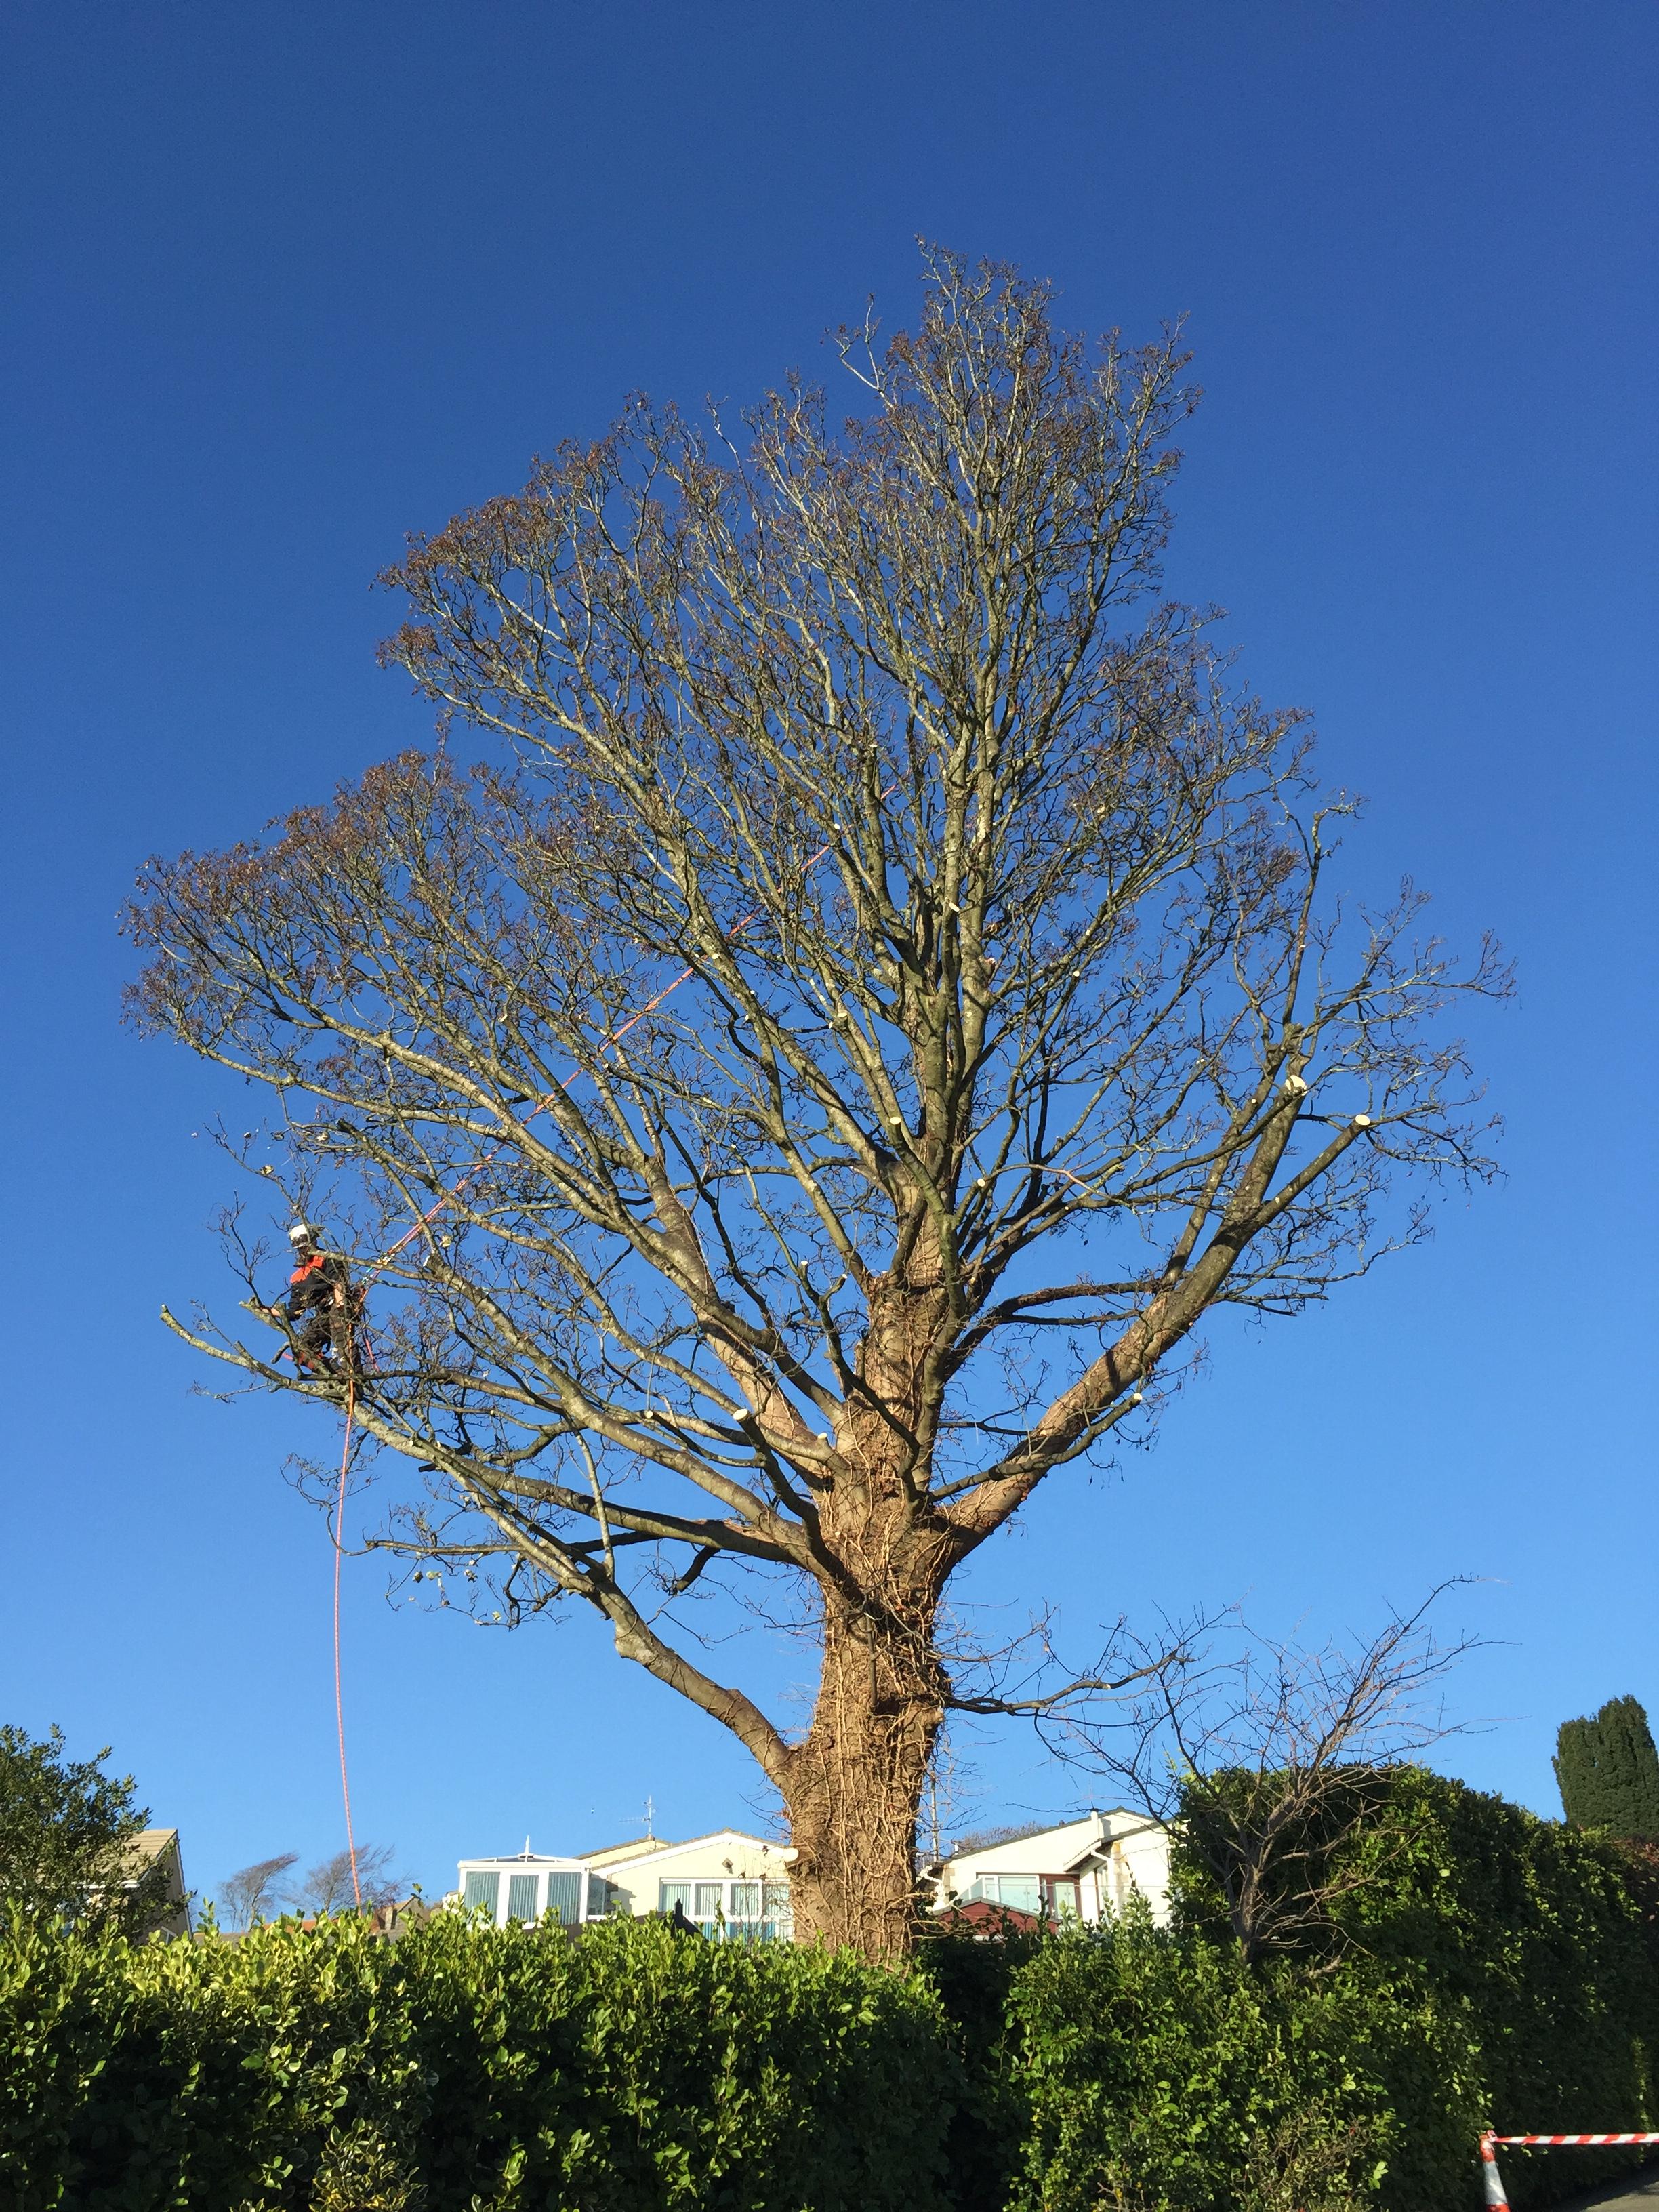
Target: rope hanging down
x,y
339,1695
444,1199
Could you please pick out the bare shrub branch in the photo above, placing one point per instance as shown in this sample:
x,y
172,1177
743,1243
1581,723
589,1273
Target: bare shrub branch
x,y
1272,1756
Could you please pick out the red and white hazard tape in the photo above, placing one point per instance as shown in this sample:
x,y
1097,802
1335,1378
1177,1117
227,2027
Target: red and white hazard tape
x,y
1573,2139
1493,2181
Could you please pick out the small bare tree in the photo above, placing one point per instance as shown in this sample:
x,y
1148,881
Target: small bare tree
x,y
815,1092
1273,1758
329,1887
253,1892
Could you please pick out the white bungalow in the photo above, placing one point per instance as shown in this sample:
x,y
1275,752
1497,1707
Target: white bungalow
x,y
530,1884
728,1884
1085,1869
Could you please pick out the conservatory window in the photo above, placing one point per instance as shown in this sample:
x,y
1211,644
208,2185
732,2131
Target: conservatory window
x,y
521,1897
1020,1893
564,1897
483,1889
750,1910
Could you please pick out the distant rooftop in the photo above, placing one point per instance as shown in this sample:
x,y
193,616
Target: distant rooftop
x,y
636,1848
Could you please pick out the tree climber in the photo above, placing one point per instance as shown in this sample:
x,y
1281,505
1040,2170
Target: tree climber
x,y
321,1304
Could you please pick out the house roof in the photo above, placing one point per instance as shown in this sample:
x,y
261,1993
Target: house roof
x,y
530,1860
1070,1843
645,1850
654,1850
641,1847
151,1850
152,1847
1135,1823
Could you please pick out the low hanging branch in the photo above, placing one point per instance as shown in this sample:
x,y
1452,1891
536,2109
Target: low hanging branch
x,y
882,905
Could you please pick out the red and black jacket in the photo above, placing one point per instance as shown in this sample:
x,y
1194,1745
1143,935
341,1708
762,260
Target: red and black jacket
x,y
313,1282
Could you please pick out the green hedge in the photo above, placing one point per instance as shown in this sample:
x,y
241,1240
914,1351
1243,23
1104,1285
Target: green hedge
x,y
480,2069
991,2118
1531,1934
1164,2073
1495,1967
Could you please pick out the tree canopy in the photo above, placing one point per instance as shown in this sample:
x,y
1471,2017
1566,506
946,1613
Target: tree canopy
x,y
807,1086
67,1829
1607,1770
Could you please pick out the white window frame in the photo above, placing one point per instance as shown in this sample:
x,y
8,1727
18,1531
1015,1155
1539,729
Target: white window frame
x,y
988,1886
727,1925
505,1871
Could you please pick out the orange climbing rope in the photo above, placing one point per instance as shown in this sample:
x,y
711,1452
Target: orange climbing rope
x,y
340,1692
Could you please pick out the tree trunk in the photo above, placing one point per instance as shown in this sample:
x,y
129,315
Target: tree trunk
x,y
852,1785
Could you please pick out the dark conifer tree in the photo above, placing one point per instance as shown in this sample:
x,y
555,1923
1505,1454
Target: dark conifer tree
x,y
1577,1773
1607,1770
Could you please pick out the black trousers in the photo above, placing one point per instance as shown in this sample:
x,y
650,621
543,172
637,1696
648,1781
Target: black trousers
x,y
323,1334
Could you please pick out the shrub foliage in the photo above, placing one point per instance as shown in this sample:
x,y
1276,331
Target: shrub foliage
x,y
1488,1966
1163,2070
1482,1967
482,2070
1607,1770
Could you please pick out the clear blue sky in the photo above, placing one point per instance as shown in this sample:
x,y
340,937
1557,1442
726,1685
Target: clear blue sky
x,y
285,281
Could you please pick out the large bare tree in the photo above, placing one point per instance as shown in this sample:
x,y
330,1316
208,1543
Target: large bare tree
x,y
884,994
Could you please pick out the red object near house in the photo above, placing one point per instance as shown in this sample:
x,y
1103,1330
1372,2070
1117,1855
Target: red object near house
x,y
988,1923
